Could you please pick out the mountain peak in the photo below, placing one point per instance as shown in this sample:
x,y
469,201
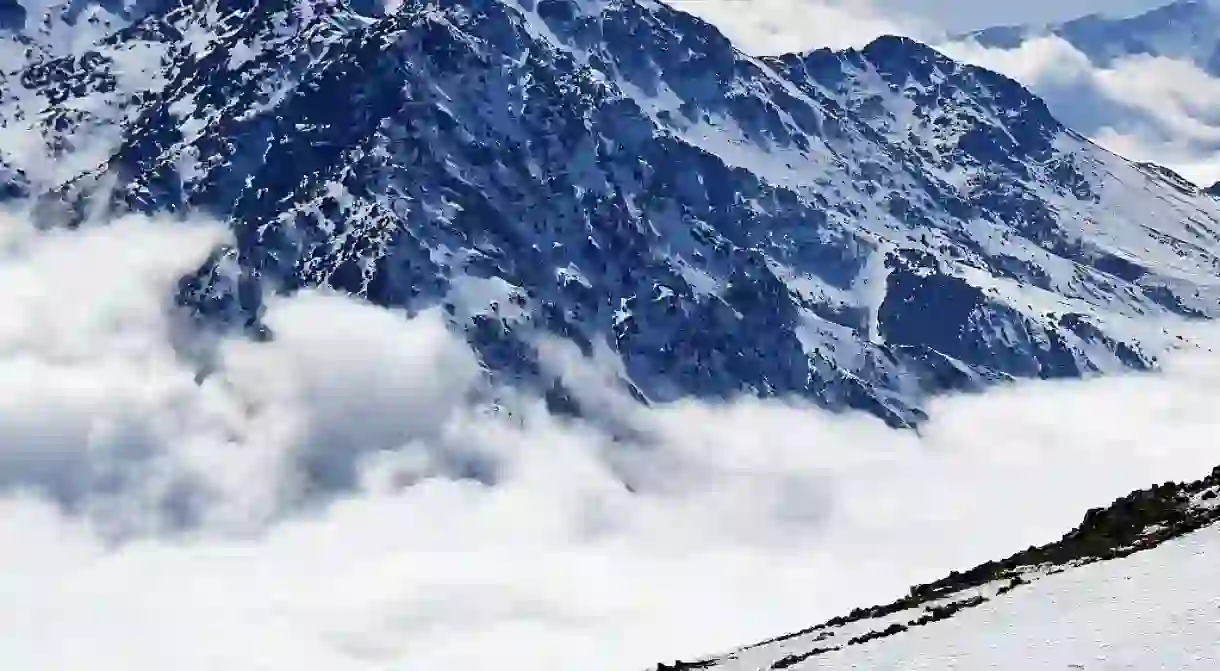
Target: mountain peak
x,y
863,228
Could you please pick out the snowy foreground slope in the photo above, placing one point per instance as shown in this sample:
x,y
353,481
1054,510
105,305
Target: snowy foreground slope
x,y
862,228
1133,587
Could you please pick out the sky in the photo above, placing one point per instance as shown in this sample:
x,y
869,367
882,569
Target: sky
x,y
765,25
965,15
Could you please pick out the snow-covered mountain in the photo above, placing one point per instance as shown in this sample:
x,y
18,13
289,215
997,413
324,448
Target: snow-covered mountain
x,y
863,228
1186,30
1144,85
1132,587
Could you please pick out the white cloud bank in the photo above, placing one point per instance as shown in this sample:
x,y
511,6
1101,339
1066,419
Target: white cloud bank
x,y
332,500
773,27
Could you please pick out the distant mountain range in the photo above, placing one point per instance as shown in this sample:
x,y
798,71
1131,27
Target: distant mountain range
x,y
862,228
1186,30
1160,111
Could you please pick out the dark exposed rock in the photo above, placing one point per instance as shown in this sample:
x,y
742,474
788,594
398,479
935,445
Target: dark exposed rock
x,y
808,225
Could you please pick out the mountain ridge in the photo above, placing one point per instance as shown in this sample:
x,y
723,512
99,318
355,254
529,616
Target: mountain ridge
x,y
1183,29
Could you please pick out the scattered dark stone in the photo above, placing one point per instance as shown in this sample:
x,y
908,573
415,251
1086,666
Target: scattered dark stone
x,y
872,635
792,660
1138,521
683,666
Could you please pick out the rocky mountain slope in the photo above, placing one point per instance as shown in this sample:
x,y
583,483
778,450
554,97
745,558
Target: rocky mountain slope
x,y
1133,586
1173,49
863,228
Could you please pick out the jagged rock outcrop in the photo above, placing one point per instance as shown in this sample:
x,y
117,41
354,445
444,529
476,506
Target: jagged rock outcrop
x,y
863,228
